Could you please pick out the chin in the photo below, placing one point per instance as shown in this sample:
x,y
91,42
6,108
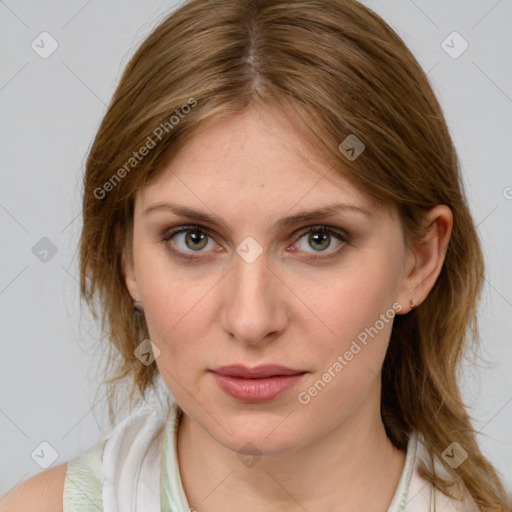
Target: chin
x,y
261,434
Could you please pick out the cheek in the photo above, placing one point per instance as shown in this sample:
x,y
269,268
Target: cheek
x,y
175,306
348,360
334,310
355,318
178,325
177,316
351,301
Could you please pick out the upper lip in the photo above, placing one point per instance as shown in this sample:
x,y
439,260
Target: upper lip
x,y
258,372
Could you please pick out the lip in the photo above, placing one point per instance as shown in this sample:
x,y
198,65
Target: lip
x,y
258,372
259,384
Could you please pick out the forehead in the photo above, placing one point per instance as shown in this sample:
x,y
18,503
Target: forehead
x,y
257,158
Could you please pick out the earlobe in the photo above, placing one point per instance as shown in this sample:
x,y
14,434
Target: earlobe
x,y
428,256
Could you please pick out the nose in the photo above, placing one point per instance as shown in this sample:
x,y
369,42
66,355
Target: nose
x,y
254,310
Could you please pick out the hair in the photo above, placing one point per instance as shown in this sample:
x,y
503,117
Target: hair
x,y
337,70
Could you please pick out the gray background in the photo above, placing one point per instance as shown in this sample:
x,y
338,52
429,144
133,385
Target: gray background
x,y
50,110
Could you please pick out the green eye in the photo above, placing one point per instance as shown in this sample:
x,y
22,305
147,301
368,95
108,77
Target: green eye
x,y
187,240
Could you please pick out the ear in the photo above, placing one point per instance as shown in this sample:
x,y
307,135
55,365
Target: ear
x,y
426,258
127,266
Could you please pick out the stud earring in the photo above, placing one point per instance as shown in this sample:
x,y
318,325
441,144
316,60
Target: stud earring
x,y
411,304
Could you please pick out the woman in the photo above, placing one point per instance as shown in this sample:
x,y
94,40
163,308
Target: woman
x,y
274,225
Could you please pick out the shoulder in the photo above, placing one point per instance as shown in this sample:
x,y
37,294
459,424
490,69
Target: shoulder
x,y
125,449
59,488
40,493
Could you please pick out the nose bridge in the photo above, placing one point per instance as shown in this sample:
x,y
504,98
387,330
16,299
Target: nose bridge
x,y
252,306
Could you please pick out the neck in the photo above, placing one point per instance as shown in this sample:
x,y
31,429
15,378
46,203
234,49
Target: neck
x,y
353,466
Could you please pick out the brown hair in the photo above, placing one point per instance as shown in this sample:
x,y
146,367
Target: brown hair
x,y
337,69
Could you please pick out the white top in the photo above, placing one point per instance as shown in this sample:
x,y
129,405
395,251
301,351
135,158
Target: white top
x,y
126,472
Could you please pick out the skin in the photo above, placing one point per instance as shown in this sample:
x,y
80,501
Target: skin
x,y
252,170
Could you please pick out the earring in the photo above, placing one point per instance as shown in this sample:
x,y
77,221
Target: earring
x,y
137,306
411,304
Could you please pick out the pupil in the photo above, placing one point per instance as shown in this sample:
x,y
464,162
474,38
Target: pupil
x,y
195,237
322,238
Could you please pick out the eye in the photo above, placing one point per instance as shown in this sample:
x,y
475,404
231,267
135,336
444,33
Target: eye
x,y
320,238
188,239
193,239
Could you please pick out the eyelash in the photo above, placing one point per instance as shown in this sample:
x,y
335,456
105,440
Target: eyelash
x,y
342,237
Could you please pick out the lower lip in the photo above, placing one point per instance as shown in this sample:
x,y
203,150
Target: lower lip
x,y
256,390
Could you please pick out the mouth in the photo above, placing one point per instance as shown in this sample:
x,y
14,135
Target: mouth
x,y
258,372
259,384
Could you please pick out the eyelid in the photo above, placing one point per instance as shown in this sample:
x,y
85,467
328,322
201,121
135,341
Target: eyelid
x,y
339,233
323,227
171,232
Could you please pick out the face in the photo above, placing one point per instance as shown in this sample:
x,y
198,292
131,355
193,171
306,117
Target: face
x,y
248,287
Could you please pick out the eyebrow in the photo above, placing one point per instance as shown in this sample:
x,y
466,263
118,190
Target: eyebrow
x,y
285,222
